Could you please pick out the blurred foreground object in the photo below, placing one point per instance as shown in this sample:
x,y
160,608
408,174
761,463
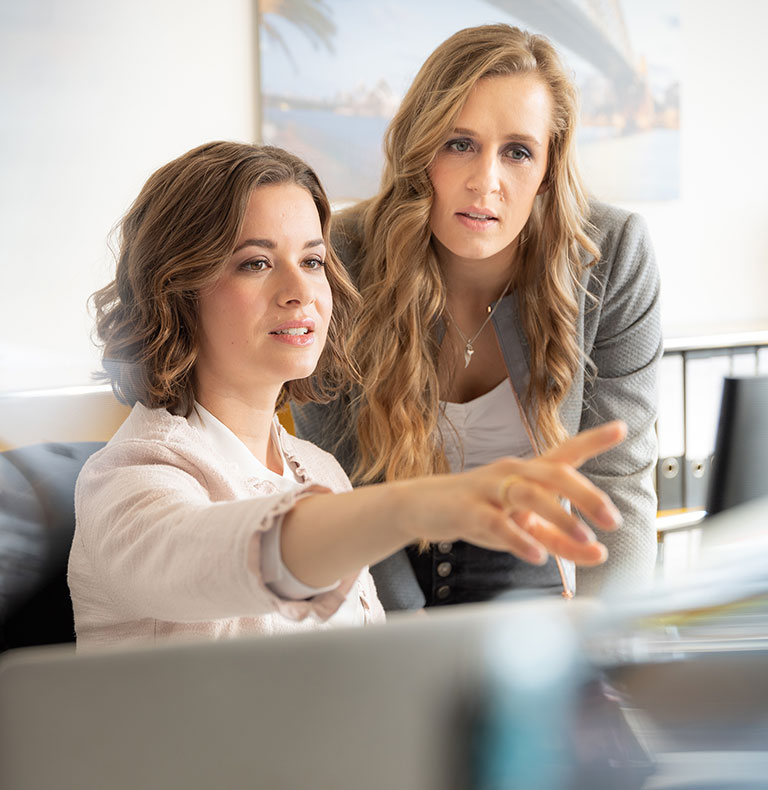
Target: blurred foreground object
x,y
661,691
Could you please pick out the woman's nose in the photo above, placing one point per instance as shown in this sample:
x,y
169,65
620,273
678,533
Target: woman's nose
x,y
294,287
484,178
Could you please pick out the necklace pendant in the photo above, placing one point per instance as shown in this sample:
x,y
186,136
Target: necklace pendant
x,y
468,351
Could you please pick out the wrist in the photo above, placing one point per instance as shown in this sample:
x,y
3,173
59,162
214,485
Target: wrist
x,y
404,498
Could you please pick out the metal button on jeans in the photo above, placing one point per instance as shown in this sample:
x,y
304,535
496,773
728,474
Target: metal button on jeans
x,y
444,569
444,546
443,592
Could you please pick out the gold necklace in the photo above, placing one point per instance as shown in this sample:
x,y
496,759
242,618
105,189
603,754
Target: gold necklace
x,y
469,341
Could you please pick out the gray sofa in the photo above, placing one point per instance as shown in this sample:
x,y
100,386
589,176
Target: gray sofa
x,y
37,521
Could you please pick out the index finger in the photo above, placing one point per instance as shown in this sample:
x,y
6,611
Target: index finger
x,y
587,444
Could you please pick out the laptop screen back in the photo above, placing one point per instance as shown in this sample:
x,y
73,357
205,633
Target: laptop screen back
x,y
740,466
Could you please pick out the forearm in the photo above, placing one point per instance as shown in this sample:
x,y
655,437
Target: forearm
x,y
328,536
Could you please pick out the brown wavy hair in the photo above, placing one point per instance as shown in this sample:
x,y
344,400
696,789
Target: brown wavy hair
x,y
394,342
173,242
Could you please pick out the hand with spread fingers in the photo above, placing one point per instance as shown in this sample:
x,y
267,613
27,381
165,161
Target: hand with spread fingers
x,y
534,491
517,505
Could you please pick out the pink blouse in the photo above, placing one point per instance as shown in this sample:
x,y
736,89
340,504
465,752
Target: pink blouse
x,y
163,540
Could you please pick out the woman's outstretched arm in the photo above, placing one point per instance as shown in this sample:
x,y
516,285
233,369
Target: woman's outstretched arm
x,y
509,505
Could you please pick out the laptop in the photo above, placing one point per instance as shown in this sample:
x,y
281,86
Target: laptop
x,y
740,466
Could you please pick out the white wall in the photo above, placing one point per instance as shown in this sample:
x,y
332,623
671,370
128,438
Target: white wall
x,y
94,96
712,244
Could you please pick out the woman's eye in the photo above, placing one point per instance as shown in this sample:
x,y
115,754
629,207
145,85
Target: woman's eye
x,y
258,265
518,153
460,146
314,264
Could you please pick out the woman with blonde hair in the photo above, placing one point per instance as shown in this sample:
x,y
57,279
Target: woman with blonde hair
x,y
502,312
202,517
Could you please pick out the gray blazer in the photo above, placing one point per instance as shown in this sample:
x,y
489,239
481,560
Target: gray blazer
x,y
620,331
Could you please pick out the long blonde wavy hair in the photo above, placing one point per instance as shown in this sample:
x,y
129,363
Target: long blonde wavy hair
x,y
394,342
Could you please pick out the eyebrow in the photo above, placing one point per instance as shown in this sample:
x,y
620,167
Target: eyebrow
x,y
268,244
523,138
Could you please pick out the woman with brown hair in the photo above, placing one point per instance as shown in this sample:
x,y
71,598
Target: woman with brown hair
x,y
201,516
502,312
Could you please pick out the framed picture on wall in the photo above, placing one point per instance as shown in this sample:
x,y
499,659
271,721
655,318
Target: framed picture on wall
x,y
333,72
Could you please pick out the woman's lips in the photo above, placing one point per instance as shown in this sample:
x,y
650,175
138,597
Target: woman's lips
x,y
476,220
295,335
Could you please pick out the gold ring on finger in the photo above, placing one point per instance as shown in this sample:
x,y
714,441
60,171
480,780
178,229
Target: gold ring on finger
x,y
506,484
